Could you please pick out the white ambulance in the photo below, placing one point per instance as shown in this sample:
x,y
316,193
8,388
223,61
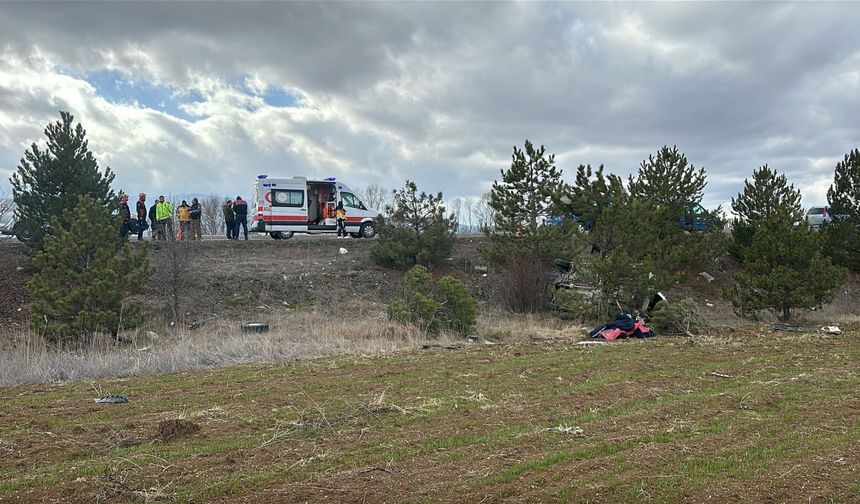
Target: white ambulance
x,y
284,206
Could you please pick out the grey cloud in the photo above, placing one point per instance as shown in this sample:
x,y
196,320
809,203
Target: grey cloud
x,y
457,84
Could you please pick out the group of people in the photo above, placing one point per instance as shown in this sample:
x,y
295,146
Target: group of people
x,y
160,216
235,216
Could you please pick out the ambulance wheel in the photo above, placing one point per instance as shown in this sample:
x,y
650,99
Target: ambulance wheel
x,y
282,235
367,230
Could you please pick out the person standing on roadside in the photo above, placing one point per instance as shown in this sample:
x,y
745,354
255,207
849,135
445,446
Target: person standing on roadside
x,y
141,215
240,206
125,215
164,216
153,222
196,227
340,214
184,215
229,218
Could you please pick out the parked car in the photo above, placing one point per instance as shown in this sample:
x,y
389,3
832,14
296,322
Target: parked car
x,y
817,216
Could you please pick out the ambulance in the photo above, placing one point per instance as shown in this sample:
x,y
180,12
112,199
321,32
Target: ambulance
x,y
285,206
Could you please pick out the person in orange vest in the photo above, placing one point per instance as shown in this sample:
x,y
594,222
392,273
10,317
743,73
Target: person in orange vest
x,y
184,215
340,214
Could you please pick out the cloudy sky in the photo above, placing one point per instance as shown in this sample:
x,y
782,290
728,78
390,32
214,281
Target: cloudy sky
x,y
194,97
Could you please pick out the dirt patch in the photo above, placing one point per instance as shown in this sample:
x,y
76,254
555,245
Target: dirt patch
x,y
172,430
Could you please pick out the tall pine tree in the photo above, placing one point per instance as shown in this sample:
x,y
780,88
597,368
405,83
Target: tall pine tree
x,y
50,180
85,273
842,236
768,197
783,265
521,203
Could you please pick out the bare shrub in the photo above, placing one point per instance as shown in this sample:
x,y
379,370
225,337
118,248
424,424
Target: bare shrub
x,y
172,260
301,335
521,286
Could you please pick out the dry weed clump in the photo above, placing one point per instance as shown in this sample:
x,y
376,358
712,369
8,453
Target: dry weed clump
x,y
29,359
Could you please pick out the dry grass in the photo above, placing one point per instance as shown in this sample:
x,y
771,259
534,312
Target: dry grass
x,y
28,359
500,325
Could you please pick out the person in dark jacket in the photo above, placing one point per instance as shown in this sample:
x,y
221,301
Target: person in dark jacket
x,y
240,206
229,218
141,215
152,221
125,215
196,213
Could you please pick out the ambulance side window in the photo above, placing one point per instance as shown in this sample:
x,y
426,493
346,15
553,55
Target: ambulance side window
x,y
349,200
288,198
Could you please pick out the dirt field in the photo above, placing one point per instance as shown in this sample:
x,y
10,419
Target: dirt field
x,y
744,414
755,417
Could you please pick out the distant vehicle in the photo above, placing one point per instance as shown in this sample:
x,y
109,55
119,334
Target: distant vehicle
x,y
284,206
696,219
558,220
818,216
9,226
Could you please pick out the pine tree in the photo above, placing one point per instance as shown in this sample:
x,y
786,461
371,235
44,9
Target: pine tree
x,y
669,180
768,197
85,273
521,203
416,231
783,265
638,245
50,180
842,235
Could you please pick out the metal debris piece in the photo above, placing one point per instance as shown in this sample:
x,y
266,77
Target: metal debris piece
x,y
706,276
111,399
255,327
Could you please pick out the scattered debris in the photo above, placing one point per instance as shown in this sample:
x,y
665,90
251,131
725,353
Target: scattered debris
x,y
171,430
780,326
481,269
589,343
720,375
573,430
343,251
436,346
152,335
831,329
255,327
743,404
706,276
478,339
111,399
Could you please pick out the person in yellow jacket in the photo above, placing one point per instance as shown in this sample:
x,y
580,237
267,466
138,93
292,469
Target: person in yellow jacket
x,y
164,219
183,211
340,215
